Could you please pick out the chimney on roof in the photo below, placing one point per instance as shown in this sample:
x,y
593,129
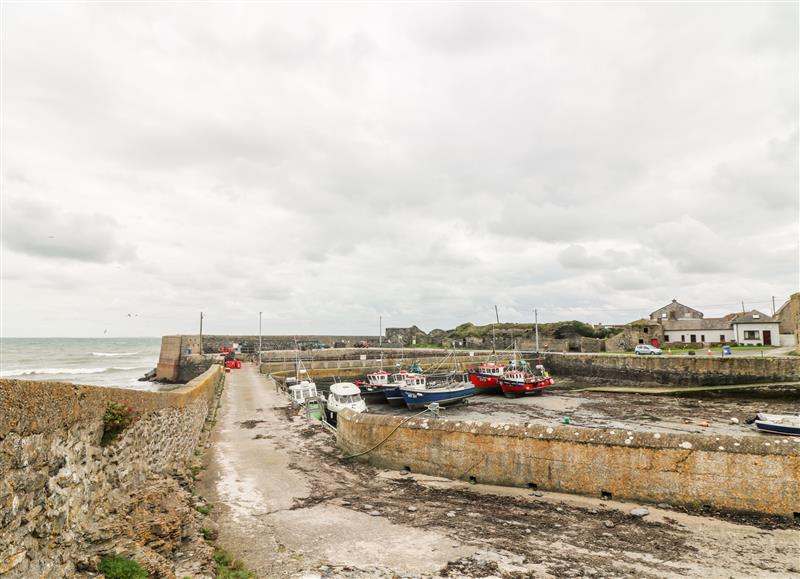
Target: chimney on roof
x,y
674,301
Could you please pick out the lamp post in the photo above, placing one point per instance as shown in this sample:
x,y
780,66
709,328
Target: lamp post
x,y
536,326
259,341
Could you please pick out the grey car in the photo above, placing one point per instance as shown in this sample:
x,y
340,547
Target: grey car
x,y
647,350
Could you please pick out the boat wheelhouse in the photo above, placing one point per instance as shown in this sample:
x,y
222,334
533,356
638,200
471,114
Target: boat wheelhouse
x,y
305,394
521,381
486,377
392,390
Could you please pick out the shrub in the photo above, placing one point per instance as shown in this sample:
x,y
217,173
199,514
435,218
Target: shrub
x,y
117,567
230,568
116,419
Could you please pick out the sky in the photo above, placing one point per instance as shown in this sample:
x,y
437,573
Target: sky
x,y
330,164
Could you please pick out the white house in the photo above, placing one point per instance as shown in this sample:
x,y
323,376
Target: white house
x,y
680,323
753,327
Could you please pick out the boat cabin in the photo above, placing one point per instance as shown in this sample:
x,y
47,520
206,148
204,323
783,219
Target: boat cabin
x,y
491,369
302,391
380,378
346,395
415,380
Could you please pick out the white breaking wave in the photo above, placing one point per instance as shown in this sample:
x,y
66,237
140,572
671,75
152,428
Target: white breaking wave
x,y
65,371
114,354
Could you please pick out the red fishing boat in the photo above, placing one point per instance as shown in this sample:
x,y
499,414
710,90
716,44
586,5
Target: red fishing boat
x,y
520,381
486,377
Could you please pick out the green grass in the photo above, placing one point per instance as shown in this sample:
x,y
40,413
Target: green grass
x,y
204,509
228,567
117,567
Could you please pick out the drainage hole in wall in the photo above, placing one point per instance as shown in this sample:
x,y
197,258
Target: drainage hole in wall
x,y
407,468
605,495
473,480
533,486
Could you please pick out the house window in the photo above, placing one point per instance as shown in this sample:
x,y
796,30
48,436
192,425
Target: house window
x,y
645,330
693,338
752,335
641,341
683,337
703,338
722,338
666,337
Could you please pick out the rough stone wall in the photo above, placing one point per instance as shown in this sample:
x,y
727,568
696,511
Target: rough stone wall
x,y
681,370
743,473
65,499
789,318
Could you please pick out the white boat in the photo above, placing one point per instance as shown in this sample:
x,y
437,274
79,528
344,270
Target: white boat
x,y
786,424
301,391
344,395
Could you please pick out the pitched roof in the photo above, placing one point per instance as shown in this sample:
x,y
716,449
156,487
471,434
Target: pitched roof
x,y
675,306
753,317
689,325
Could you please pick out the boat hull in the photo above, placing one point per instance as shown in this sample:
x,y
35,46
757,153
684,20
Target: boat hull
x,y
773,428
484,383
373,395
444,396
393,396
527,388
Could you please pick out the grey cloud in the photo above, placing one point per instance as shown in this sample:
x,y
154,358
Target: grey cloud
x,y
42,230
327,166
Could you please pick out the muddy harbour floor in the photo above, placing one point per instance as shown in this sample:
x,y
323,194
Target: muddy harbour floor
x,y
288,506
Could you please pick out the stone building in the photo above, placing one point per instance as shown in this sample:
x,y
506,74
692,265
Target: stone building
x,y
788,316
676,323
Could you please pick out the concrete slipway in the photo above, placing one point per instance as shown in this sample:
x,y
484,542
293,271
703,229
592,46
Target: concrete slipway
x,y
289,507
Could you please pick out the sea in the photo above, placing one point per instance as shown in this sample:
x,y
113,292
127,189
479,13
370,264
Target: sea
x,y
118,362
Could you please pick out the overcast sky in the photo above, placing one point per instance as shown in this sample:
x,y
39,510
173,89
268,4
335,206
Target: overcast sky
x,y
327,164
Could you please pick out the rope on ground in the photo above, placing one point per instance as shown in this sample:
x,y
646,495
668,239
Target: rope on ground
x,y
387,436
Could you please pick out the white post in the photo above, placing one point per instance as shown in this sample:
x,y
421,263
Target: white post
x,y
259,341
536,326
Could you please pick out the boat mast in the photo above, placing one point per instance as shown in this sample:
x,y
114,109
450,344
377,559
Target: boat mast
x,y
494,335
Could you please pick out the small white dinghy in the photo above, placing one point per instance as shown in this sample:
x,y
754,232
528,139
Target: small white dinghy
x,y
785,424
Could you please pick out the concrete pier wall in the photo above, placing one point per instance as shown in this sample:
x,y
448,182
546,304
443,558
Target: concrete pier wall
x,y
679,370
747,473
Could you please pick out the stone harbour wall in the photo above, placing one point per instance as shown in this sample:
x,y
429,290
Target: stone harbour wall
x,y
697,370
745,473
65,500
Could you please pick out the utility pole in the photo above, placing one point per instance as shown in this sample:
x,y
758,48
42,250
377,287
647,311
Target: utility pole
x,y
536,326
201,332
259,341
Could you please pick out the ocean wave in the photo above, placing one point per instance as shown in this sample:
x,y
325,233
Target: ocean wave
x,y
114,354
64,371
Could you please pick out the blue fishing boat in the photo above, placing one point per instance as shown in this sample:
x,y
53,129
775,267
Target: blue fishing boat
x,y
418,393
391,390
786,424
